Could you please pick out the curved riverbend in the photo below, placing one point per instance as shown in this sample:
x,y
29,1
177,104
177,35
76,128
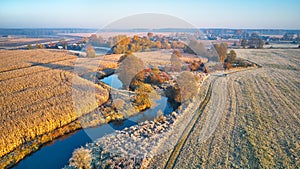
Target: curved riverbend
x,y
57,153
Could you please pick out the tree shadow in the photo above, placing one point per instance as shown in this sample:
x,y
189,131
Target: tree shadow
x,y
53,66
79,70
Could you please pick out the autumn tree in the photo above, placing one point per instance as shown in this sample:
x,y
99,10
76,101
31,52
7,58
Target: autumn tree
x,y
177,53
178,45
122,45
90,51
231,57
39,46
159,45
221,50
166,44
29,46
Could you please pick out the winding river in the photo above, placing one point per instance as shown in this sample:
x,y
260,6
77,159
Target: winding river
x,y
55,155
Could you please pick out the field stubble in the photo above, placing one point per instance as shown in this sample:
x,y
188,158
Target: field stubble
x,y
259,126
36,96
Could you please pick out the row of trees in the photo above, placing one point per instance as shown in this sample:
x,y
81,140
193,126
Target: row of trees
x,y
125,44
255,41
37,46
122,43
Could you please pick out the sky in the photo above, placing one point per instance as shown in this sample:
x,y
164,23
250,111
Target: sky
x,y
262,14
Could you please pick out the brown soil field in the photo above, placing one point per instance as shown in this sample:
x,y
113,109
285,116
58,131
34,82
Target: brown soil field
x,y
36,94
252,119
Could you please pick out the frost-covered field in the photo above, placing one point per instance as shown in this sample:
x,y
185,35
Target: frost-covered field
x,y
260,123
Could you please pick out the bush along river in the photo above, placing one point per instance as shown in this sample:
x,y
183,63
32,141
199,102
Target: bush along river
x,y
56,154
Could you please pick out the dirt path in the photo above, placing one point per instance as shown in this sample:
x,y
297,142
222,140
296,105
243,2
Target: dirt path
x,y
213,104
187,131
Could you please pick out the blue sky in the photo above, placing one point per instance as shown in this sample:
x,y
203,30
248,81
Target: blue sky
x,y
203,14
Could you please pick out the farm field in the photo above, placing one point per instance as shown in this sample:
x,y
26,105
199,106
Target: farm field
x,y
252,119
36,94
8,43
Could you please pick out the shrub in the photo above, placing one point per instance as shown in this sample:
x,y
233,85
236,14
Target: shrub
x,y
177,53
142,101
160,116
195,66
173,94
81,158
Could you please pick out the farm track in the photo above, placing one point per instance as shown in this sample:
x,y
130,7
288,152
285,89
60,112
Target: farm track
x,y
189,129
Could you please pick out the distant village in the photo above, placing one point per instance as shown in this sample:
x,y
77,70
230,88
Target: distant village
x,y
78,46
234,39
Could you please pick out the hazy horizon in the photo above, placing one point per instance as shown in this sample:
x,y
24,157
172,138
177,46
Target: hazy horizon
x,y
94,14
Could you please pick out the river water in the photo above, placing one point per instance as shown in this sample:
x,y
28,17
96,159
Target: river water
x,y
56,154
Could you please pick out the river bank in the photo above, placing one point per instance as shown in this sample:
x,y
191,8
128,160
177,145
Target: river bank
x,y
104,119
137,145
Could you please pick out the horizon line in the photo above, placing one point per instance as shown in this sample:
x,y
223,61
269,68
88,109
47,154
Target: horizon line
x,y
92,28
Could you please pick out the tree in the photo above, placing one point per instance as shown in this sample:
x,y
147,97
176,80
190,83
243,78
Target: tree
x,y
166,44
260,44
221,50
39,46
159,45
96,40
177,53
195,47
122,45
150,34
130,66
64,44
188,85
29,46
231,57
175,63
244,43
90,51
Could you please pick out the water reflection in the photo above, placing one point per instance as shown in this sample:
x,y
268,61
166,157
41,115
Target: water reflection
x,y
57,153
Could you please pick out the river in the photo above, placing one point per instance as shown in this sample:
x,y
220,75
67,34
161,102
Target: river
x,y
56,154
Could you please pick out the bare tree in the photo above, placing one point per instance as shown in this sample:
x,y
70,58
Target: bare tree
x,y
130,66
221,50
90,51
